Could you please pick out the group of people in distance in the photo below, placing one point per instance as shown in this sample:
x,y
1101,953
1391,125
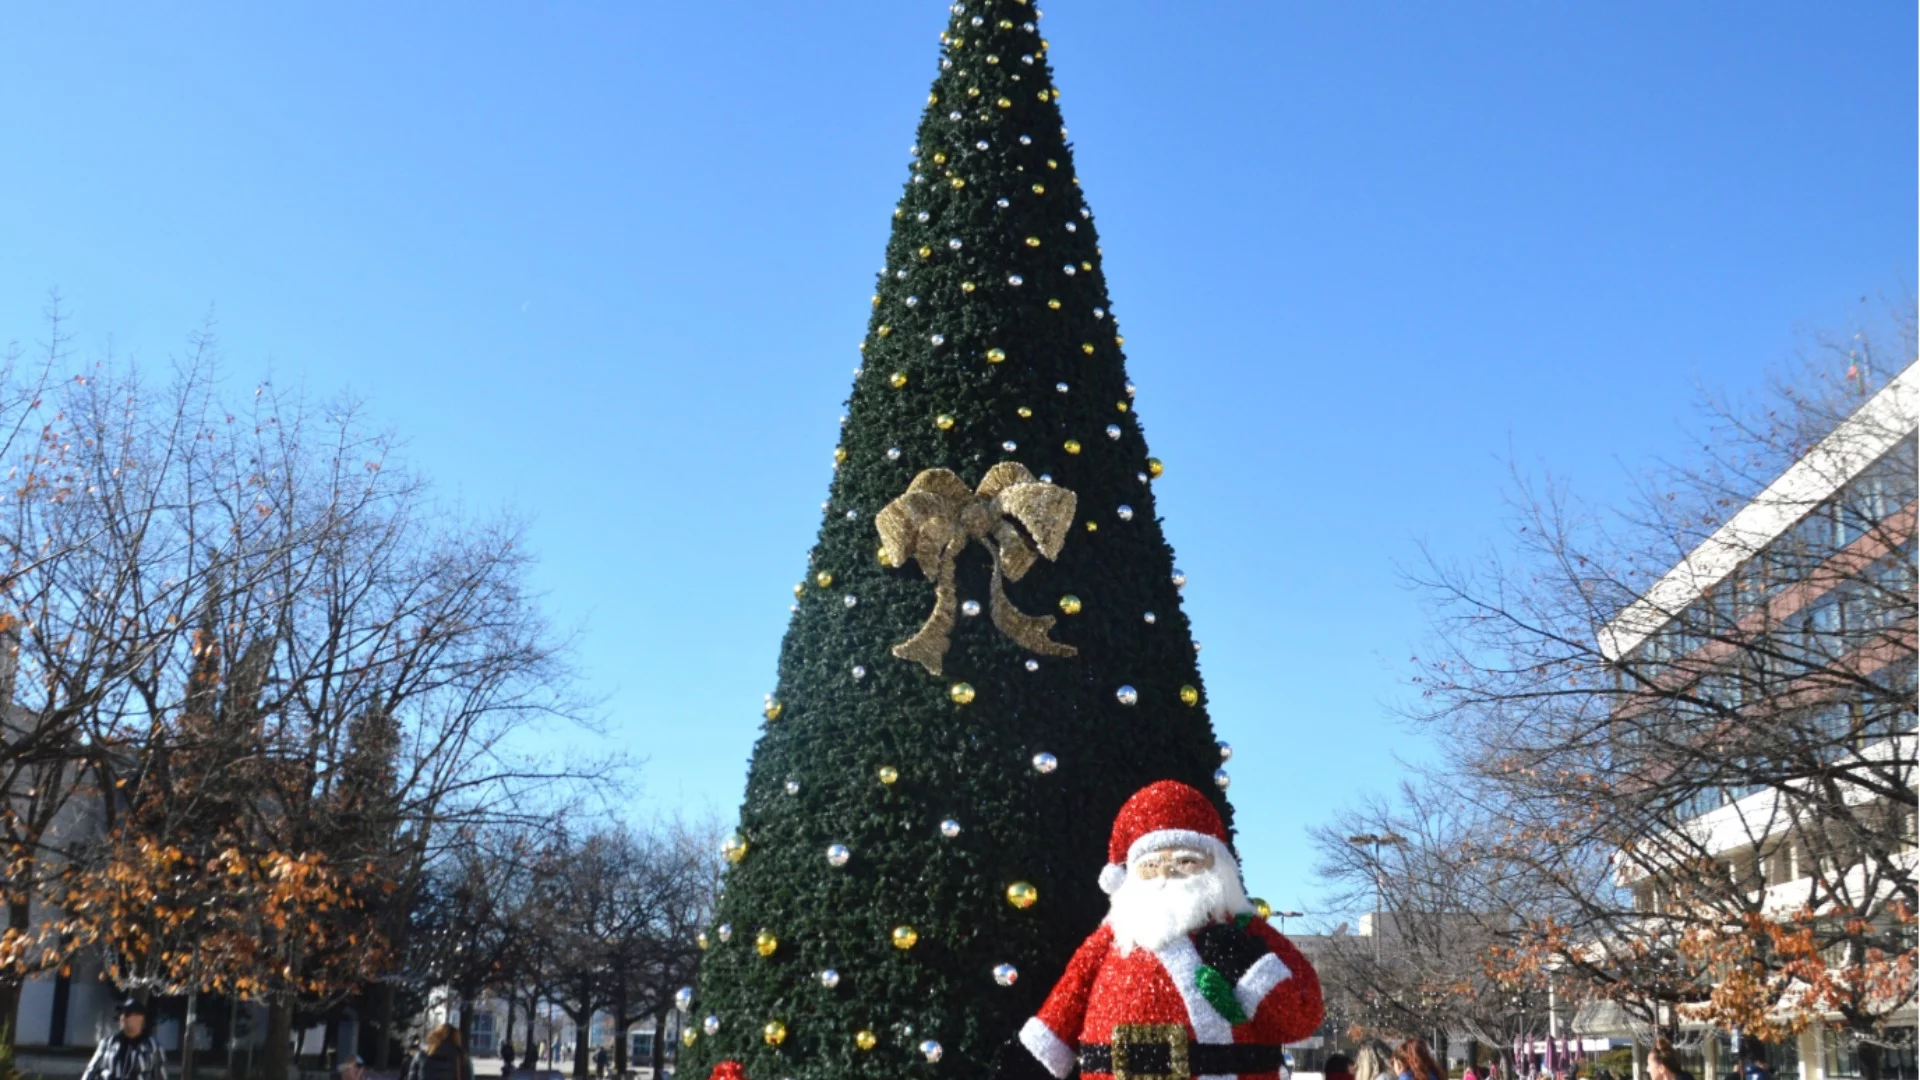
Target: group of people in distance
x,y
1412,1060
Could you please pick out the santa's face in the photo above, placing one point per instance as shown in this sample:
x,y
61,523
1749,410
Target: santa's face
x,y
1171,893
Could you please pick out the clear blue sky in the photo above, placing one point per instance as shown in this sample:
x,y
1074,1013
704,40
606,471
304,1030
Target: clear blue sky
x,y
607,264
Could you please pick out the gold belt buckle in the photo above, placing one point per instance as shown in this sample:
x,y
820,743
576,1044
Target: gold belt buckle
x,y
1171,1036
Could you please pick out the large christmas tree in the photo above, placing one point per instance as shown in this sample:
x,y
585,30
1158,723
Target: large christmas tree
x,y
987,654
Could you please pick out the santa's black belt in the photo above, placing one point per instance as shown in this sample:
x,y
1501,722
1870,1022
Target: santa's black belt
x,y
1162,1058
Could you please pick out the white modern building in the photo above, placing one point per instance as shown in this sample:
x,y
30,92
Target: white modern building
x,y
1819,508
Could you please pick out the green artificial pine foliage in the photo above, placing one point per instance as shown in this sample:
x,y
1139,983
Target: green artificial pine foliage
x,y
991,341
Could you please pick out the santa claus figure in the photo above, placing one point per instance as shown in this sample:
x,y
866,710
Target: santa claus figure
x,y
1182,979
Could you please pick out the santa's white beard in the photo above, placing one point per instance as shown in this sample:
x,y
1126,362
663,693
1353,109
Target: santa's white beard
x,y
1147,913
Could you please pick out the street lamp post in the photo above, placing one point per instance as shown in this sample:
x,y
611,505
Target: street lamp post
x,y
1283,916
1376,841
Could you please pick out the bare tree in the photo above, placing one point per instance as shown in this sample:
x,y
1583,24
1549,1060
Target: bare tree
x,y
1731,655
1441,904
258,608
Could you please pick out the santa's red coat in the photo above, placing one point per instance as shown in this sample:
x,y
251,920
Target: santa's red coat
x,y
1103,988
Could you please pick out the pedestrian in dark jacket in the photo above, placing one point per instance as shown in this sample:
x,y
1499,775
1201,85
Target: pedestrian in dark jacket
x,y
130,1053
442,1058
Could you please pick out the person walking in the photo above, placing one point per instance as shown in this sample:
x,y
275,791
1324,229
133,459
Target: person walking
x,y
600,1062
506,1057
1373,1061
1415,1062
129,1053
442,1058
1339,1067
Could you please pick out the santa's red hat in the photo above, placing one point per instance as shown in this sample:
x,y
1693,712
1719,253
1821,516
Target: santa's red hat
x,y
1164,814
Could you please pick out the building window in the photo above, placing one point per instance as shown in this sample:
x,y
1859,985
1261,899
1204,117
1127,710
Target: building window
x,y
484,1034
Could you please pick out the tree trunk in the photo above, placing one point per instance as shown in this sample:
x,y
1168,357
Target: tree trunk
x,y
658,1056
505,1065
466,1022
582,1052
186,1034
276,1058
531,1060
620,1023
383,1025
1869,1057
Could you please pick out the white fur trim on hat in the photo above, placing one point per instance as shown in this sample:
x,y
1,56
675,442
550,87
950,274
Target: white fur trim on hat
x,y
1113,875
1162,839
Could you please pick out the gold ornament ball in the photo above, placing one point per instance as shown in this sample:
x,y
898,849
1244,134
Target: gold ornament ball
x,y
961,693
905,937
799,589
889,775
865,1040
1121,405
897,380
734,848
1093,526
1053,305
995,356
773,710
944,421
884,331
765,943
774,1033
1087,347
940,157
1022,894
688,1037
880,554
1189,695
1262,908
1070,604
958,183
1039,189
1072,446
926,252
701,939
1033,241
824,578
1155,468
966,286
1024,413
1004,103
839,455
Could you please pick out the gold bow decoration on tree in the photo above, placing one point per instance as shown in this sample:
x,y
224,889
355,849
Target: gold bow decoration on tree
x,y
1013,516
